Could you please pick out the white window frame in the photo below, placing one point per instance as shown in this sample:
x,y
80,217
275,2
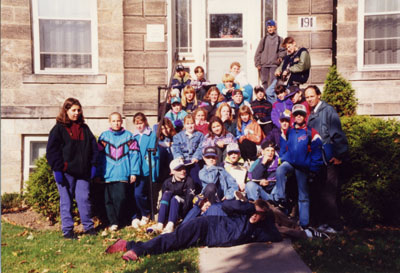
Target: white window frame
x,y
186,55
360,42
70,71
27,153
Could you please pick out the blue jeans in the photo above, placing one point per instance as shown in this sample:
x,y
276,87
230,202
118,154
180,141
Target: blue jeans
x,y
270,92
302,186
141,200
254,192
169,207
80,189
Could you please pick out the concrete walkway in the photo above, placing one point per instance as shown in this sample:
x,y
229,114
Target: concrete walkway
x,y
255,257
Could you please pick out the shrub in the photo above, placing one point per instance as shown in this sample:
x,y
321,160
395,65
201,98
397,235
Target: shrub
x,y
339,93
11,200
371,194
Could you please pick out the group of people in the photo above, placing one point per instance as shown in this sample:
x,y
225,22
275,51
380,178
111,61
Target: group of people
x,y
229,156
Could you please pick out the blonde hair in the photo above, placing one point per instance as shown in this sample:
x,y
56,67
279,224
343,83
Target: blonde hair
x,y
200,109
188,89
235,63
212,89
187,117
222,105
228,78
244,109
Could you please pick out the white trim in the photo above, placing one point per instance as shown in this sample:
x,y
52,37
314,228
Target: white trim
x,y
27,153
282,17
170,49
94,42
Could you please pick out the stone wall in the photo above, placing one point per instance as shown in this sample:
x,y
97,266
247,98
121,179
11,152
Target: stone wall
x,y
30,102
145,62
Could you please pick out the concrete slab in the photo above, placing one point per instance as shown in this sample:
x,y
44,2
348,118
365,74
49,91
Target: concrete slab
x,y
255,257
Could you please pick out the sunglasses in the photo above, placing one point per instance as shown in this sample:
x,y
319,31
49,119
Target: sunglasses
x,y
299,114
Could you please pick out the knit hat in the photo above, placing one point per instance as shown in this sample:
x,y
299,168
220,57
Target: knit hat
x,y
175,100
210,151
270,23
232,147
299,108
180,67
176,164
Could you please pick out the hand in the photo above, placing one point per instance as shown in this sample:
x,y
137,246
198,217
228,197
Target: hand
x,y
335,161
195,160
259,67
93,172
277,73
220,143
59,177
284,73
132,179
264,182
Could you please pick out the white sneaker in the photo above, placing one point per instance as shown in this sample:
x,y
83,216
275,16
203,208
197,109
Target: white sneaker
x,y
169,228
113,228
135,223
145,220
156,228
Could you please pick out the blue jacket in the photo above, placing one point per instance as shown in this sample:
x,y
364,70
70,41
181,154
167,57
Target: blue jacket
x,y
302,148
212,174
261,171
174,117
147,140
119,156
187,148
327,123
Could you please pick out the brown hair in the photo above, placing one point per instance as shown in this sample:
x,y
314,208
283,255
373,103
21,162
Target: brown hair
x,y
188,89
200,109
315,88
168,124
139,116
197,68
235,63
187,117
288,40
244,109
210,132
280,88
218,113
214,88
262,204
63,116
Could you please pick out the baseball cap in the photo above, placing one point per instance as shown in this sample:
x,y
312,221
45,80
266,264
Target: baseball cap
x,y
210,151
284,116
232,147
292,90
270,23
175,100
180,67
176,164
299,108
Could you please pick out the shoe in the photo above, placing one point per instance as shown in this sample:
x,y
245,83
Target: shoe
x,y
90,232
169,228
240,196
130,256
69,235
135,223
311,232
330,230
145,220
113,228
322,227
156,228
118,246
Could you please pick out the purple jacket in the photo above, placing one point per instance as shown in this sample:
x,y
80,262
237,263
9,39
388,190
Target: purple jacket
x,y
279,107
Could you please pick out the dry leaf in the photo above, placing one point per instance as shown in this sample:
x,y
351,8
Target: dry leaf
x,y
320,253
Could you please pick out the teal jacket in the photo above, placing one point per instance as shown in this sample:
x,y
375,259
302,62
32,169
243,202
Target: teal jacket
x,y
147,140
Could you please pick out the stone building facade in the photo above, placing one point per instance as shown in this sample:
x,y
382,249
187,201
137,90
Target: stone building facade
x,y
131,66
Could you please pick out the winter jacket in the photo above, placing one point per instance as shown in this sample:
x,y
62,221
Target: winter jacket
x,y
302,148
251,131
174,117
269,50
187,147
202,128
235,107
230,126
119,156
262,110
74,155
211,109
214,174
184,189
327,123
299,64
180,83
209,141
260,171
147,140
279,107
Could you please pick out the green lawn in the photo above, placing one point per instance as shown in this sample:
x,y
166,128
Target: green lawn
x,y
364,251
24,250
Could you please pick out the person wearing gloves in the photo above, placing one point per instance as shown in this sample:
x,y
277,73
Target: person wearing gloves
x,y
72,154
176,200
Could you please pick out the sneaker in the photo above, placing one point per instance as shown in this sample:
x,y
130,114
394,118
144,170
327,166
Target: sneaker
x,y
156,228
90,232
113,228
240,196
330,230
169,228
145,220
135,223
69,235
311,232
118,246
130,256
322,227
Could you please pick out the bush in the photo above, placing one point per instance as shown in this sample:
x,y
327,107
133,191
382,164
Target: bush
x,y
339,93
11,200
371,194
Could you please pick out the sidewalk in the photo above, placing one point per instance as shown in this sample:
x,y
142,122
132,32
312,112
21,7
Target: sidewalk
x,y
255,257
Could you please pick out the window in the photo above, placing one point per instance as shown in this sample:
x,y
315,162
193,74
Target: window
x,y
184,26
34,148
226,30
380,30
65,36
269,12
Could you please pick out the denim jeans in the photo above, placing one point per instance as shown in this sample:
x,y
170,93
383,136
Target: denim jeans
x,y
254,191
80,189
302,186
270,92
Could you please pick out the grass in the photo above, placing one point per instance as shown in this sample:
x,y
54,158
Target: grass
x,y
25,250
369,250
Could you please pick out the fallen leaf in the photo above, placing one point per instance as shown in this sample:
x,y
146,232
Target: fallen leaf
x,y
45,270
320,253
23,262
23,233
371,247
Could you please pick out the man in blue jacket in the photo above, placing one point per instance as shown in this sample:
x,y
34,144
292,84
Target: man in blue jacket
x,y
326,121
246,222
300,153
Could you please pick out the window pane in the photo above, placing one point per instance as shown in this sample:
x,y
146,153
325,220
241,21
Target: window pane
x,y
64,8
268,12
382,26
183,26
226,25
382,5
38,149
382,51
